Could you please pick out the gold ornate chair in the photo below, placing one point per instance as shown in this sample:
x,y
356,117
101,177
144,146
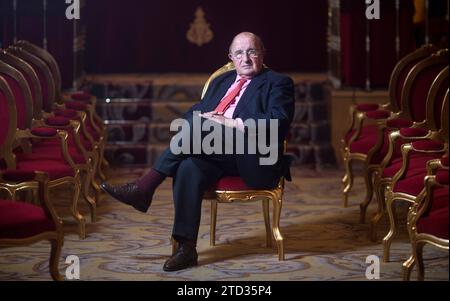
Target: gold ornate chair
x,y
233,189
24,223
61,170
78,111
27,81
81,101
407,184
422,98
428,216
369,125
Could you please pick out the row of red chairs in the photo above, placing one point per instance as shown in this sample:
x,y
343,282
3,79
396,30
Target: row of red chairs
x,y
47,139
395,141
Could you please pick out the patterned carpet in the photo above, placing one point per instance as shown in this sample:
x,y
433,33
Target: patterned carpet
x,y
323,240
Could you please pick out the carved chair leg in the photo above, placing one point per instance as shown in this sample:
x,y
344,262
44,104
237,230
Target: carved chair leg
x,y
369,194
276,226
212,230
102,164
347,180
55,253
387,240
94,184
379,192
408,265
420,265
81,221
265,204
85,191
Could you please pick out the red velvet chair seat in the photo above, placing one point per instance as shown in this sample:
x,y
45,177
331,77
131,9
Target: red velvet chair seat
x,y
417,163
427,145
68,113
439,199
399,123
378,114
52,152
54,169
70,141
20,220
366,131
442,177
82,96
44,131
57,121
363,144
229,183
435,223
72,114
365,107
413,132
412,185
76,105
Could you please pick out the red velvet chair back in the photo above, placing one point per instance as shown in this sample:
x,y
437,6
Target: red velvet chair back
x,y
31,78
43,72
418,84
435,100
8,122
444,129
401,70
22,95
47,58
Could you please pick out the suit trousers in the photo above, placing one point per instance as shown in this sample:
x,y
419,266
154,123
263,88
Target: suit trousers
x,y
192,175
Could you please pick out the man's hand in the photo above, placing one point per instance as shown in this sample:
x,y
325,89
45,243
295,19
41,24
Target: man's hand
x,y
219,118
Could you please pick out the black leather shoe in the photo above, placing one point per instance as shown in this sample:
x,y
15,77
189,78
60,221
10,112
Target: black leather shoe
x,y
128,194
185,257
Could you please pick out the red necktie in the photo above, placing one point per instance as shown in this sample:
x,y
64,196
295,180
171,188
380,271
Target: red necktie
x,y
229,99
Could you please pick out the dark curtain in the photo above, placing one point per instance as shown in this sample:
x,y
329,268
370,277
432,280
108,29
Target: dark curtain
x,y
382,32
150,36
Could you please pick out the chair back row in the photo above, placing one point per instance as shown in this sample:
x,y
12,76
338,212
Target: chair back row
x,y
401,71
419,81
32,79
8,124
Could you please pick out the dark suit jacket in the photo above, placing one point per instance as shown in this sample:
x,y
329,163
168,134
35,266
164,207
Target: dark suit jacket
x,y
270,95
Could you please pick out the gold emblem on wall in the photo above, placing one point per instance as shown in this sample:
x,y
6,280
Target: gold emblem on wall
x,y
199,32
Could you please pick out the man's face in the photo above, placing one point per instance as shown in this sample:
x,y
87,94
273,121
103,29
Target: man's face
x,y
247,56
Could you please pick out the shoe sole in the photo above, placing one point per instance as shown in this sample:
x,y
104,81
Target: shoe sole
x,y
195,263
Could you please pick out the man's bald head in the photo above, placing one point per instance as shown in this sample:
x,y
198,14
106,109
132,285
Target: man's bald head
x,y
249,35
247,53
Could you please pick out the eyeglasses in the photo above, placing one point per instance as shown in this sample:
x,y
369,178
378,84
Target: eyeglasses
x,y
252,53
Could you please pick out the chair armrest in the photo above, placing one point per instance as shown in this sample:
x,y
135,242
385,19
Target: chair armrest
x,y
406,151
11,178
437,164
63,135
357,124
423,202
74,115
408,135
